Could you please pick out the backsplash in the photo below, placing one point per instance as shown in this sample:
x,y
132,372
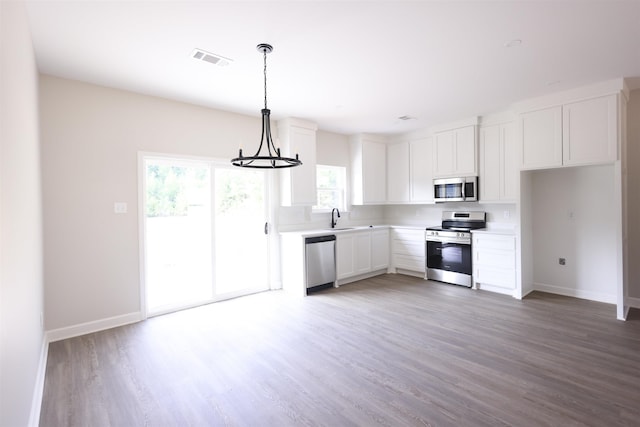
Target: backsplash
x,y
302,218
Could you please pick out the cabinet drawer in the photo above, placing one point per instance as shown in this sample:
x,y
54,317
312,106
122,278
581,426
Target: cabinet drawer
x,y
407,234
407,262
504,278
408,248
493,258
492,241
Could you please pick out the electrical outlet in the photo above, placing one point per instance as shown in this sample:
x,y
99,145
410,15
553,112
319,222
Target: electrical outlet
x,y
506,214
562,261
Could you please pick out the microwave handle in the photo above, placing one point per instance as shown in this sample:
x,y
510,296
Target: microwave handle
x,y
463,188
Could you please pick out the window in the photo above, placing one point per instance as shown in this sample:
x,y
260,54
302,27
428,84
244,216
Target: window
x,y
332,183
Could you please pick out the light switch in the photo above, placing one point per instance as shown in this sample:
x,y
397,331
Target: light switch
x,y
120,207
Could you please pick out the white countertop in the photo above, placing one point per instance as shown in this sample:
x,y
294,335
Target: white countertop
x,y
339,230
504,231
329,231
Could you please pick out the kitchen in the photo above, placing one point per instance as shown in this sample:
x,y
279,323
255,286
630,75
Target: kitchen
x,y
91,271
588,222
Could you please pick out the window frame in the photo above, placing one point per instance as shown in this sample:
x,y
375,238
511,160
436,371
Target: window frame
x,y
345,203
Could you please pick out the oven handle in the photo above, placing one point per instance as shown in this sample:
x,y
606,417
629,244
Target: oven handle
x,y
464,197
448,240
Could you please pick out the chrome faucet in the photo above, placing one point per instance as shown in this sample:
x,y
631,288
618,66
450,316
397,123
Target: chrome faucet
x,y
333,220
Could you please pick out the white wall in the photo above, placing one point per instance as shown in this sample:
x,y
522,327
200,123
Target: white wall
x,y
91,137
573,219
21,301
332,149
633,194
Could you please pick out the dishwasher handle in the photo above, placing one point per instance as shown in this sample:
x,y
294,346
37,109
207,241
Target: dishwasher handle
x,y
320,239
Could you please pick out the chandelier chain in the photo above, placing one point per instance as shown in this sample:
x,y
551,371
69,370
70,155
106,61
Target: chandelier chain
x,y
264,54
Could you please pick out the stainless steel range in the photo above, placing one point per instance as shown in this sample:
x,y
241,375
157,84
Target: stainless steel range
x,y
448,248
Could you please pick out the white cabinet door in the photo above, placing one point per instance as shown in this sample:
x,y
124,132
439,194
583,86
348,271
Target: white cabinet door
x,y
398,173
379,249
368,171
499,181
298,184
465,151
509,171
345,262
454,153
590,131
443,154
490,163
541,138
421,171
362,252
374,172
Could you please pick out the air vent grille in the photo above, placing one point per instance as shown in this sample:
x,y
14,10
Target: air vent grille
x,y
212,58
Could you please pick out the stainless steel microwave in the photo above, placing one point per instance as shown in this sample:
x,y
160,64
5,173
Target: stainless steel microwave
x,y
464,189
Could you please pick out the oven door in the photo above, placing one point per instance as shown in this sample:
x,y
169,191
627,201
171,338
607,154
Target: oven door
x,y
449,256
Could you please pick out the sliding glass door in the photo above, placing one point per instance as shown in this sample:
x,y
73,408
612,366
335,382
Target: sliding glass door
x,y
241,244
204,233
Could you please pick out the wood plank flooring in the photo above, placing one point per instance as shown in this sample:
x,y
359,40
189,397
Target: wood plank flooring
x,y
392,350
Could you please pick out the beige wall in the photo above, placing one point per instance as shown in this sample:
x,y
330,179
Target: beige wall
x,y
91,137
21,301
633,195
332,149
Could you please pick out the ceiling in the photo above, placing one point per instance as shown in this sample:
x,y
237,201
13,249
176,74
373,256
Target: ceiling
x,y
349,66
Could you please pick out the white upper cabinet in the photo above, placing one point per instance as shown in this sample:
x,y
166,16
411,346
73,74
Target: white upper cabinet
x,y
298,184
421,171
573,134
454,152
590,131
498,164
541,137
368,170
398,176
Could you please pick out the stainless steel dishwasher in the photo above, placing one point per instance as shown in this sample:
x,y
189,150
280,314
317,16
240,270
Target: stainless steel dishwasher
x,y
320,262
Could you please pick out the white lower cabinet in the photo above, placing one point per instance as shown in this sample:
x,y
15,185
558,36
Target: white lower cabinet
x,y
379,249
345,262
361,252
494,262
408,249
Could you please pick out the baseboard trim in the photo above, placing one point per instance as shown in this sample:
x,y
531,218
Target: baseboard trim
x,y
360,277
38,389
576,293
413,273
94,326
633,302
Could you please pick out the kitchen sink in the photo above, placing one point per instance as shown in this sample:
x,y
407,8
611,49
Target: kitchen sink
x,y
340,228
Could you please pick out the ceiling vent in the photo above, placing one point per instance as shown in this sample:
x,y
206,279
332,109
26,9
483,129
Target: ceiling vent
x,y
212,58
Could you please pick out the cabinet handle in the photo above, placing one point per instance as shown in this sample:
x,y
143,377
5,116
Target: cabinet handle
x,y
266,228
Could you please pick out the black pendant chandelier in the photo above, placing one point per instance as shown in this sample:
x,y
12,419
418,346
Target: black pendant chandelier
x,y
259,160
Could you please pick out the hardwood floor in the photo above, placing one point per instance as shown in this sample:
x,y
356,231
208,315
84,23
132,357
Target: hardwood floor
x,y
392,350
